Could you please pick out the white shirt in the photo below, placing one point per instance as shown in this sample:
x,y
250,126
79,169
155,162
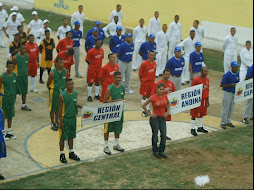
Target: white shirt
x,y
246,58
35,26
111,27
229,43
175,31
12,27
61,32
115,13
20,17
189,45
161,40
139,34
42,33
3,17
154,26
199,33
78,17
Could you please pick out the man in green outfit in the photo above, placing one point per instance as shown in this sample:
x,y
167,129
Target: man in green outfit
x,y
68,110
115,92
56,85
21,62
7,102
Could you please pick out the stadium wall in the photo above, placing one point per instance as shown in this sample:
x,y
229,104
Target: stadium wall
x,y
217,15
25,4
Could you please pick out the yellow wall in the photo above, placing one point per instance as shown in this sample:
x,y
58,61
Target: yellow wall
x,y
232,12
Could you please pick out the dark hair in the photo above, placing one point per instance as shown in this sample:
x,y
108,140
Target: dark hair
x,y
65,18
160,85
202,68
97,40
117,73
68,32
166,70
58,59
46,31
110,54
17,34
232,28
192,31
196,21
176,16
67,80
71,51
141,19
9,62
164,25
30,35
19,26
156,12
118,5
151,51
247,42
80,6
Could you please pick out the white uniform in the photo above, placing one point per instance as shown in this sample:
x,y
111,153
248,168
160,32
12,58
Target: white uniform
x,y
20,17
111,27
3,17
161,40
230,53
139,37
154,26
61,32
78,17
42,33
115,13
199,33
246,60
175,36
189,46
35,26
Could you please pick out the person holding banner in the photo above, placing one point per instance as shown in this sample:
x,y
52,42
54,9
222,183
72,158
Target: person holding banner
x,y
115,92
228,83
200,111
68,110
248,111
147,77
158,117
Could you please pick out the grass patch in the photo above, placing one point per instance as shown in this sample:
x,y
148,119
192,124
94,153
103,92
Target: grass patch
x,y
226,157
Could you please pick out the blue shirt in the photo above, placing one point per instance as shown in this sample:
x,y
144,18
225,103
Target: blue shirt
x,y
175,65
126,51
115,42
145,48
196,59
230,78
101,33
250,72
1,120
90,42
76,37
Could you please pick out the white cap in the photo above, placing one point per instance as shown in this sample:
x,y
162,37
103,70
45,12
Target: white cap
x,y
14,8
45,21
14,13
34,13
1,4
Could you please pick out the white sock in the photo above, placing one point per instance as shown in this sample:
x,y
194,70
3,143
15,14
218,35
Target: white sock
x,y
8,129
200,122
105,143
23,105
32,82
192,124
116,141
61,152
97,89
71,150
89,90
142,102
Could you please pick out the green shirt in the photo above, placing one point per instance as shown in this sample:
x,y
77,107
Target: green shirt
x,y
22,65
9,84
58,83
70,104
117,93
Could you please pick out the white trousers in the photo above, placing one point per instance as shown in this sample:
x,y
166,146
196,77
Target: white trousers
x,y
161,61
172,45
243,73
10,39
186,69
2,38
248,110
137,59
228,58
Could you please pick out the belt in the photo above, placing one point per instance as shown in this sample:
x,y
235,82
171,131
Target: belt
x,y
178,76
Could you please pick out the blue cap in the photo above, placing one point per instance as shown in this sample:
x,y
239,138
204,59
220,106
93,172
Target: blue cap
x,y
76,23
95,29
151,36
97,22
128,35
234,64
197,44
177,48
119,28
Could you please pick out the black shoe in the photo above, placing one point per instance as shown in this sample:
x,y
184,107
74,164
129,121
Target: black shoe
x,y
168,138
231,125
160,75
163,155
74,156
245,120
193,132
157,154
54,126
202,130
89,99
223,126
97,97
156,76
41,81
25,108
1,177
63,159
183,84
134,69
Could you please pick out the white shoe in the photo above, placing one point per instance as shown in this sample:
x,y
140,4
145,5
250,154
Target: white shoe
x,y
129,92
34,90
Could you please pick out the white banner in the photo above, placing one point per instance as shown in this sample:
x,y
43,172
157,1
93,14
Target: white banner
x,y
244,90
185,99
102,113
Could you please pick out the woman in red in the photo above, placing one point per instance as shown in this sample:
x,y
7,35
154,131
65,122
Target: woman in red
x,y
158,119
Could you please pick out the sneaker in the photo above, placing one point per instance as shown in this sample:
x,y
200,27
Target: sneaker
x,y
183,84
9,135
231,125
168,138
54,126
160,75
223,126
163,154
5,138
129,92
202,130
97,97
157,154
63,159
78,76
107,150
144,114
245,120
193,132
118,148
89,99
41,81
74,156
134,69
34,90
156,76
25,108
1,177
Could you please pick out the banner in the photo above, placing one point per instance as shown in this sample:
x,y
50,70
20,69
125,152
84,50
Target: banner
x,y
102,113
244,90
185,99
